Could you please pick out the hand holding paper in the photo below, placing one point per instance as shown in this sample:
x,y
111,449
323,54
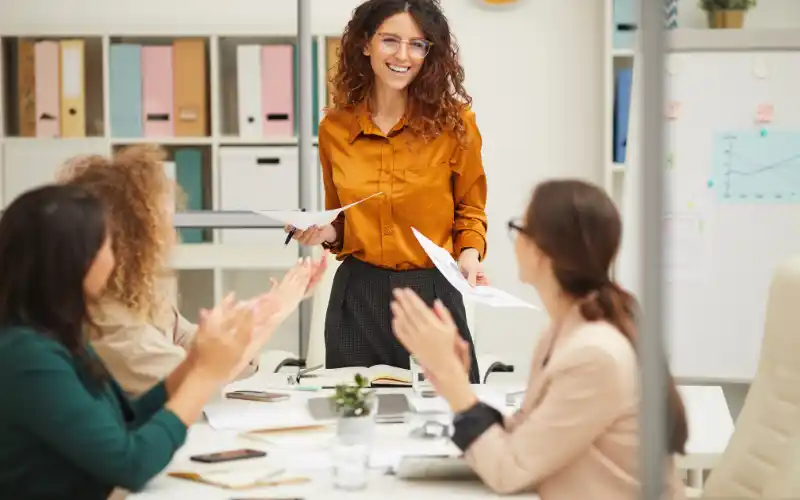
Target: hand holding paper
x,y
304,220
449,268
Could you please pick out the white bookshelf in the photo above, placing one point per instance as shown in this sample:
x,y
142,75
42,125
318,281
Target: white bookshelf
x,y
614,58
205,270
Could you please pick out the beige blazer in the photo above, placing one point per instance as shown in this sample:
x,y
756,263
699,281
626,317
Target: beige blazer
x,y
140,354
576,436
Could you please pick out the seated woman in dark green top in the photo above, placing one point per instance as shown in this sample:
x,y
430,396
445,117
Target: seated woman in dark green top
x,y
66,428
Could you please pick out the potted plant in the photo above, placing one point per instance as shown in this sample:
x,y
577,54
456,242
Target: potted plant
x,y
726,13
356,404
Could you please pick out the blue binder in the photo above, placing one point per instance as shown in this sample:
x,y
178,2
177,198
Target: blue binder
x,y
189,174
125,90
622,108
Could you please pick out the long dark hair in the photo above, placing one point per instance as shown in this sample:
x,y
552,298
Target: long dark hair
x,y
437,97
578,227
49,237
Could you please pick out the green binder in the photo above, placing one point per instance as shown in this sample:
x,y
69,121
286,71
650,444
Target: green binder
x,y
189,174
314,86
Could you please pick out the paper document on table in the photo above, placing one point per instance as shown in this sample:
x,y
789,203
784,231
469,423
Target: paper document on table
x,y
449,268
251,415
303,220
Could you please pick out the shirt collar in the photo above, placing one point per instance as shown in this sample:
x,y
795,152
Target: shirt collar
x,y
362,123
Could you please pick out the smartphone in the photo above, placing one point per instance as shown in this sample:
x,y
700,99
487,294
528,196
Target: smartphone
x,y
228,456
264,397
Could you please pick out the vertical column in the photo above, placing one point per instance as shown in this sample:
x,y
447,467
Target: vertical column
x,y
653,360
304,140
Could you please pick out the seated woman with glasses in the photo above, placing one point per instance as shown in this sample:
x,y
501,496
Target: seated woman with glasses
x,y
401,125
576,435
137,330
67,430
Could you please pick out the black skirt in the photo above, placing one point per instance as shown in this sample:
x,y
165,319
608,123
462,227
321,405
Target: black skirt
x,y
358,324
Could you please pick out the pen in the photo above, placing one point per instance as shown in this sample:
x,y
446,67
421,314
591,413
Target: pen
x,y
291,233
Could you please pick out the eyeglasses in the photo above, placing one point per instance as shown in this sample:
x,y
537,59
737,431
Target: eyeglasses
x,y
418,48
514,228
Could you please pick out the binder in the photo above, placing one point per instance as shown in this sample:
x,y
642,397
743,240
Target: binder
x,y
190,93
314,90
622,106
189,174
48,102
125,90
26,86
157,90
332,46
625,21
73,93
277,90
248,84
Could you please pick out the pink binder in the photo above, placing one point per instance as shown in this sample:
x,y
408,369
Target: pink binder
x,y
48,95
277,90
157,91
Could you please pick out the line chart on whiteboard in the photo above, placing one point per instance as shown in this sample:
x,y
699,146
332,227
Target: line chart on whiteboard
x,y
757,167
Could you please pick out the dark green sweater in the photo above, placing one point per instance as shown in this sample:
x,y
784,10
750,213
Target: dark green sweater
x,y
61,439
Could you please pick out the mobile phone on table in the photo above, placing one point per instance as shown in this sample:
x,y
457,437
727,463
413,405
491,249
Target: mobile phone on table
x,y
264,397
228,456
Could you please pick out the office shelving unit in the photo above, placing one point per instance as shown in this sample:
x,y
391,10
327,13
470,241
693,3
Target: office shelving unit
x,y
208,269
619,53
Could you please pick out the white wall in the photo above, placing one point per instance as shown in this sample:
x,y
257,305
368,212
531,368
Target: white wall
x,y
535,73
769,14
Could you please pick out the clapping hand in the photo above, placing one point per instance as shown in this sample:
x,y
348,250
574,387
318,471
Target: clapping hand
x,y
223,336
428,333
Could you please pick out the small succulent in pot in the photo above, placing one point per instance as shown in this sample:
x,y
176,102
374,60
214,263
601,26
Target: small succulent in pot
x,y
354,399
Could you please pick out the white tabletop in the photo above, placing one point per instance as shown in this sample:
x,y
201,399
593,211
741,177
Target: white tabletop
x,y
710,428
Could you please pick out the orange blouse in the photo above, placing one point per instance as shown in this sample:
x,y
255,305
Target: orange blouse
x,y
437,187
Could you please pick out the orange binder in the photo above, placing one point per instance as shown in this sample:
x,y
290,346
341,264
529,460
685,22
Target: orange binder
x,y
190,93
332,63
26,86
73,93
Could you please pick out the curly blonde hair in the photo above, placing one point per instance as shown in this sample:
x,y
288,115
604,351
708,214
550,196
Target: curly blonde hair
x,y
136,192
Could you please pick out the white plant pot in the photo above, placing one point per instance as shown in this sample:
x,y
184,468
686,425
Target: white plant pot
x,y
355,430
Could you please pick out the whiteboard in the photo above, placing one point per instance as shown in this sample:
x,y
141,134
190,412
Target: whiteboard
x,y
732,183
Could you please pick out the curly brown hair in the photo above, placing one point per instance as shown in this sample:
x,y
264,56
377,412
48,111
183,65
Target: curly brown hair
x,y
437,98
136,191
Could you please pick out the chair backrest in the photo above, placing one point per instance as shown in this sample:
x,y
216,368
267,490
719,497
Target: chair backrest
x,y
770,418
785,484
316,343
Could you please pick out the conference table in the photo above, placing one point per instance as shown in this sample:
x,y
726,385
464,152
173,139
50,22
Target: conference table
x,y
710,427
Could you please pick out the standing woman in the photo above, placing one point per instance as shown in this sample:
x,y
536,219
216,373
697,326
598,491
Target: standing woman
x,y
401,125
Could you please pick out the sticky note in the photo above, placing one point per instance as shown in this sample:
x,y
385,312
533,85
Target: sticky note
x,y
764,113
673,110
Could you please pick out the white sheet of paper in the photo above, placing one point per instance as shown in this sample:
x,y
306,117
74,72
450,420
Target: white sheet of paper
x,y
303,220
445,263
231,414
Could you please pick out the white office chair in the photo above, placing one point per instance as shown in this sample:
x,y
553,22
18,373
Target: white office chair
x,y
759,455
316,345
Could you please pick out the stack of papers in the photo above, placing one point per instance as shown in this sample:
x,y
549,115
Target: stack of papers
x,y
304,220
449,268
